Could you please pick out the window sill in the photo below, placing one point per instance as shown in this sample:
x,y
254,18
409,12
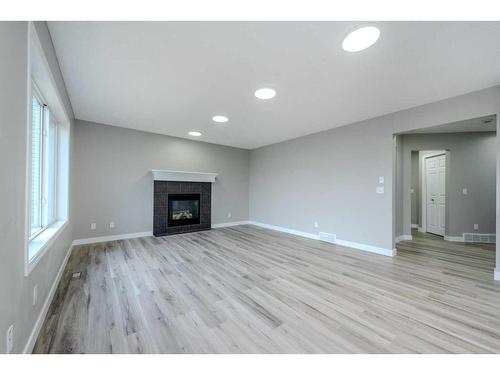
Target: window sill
x,y
39,245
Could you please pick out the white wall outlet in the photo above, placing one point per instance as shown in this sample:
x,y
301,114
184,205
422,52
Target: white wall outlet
x,y
111,224
381,180
380,190
464,191
9,339
229,214
476,226
316,224
93,226
35,294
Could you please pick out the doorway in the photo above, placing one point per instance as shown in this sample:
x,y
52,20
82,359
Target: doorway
x,y
434,193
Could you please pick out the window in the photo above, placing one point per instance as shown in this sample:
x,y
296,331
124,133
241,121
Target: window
x,y
44,134
47,163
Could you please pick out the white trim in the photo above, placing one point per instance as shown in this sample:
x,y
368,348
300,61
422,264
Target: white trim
x,y
496,274
85,241
414,226
355,245
404,237
286,230
28,348
369,248
230,224
421,230
167,175
454,238
42,243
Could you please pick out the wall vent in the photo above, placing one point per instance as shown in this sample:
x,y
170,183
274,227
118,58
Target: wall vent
x,y
327,237
480,237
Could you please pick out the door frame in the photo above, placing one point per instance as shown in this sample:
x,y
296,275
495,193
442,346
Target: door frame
x,y
423,186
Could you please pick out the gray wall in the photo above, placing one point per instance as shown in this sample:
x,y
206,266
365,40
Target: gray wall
x,y
16,290
472,165
113,181
331,176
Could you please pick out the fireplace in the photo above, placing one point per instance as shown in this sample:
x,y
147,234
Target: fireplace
x,y
183,209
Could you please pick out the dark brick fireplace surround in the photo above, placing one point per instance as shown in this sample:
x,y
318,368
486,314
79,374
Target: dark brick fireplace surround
x,y
160,206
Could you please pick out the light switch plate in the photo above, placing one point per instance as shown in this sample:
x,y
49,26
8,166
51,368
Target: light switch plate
x,y
381,180
35,294
476,226
464,191
380,190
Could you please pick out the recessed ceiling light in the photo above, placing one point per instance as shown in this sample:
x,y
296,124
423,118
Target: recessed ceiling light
x,y
361,39
194,134
265,93
220,118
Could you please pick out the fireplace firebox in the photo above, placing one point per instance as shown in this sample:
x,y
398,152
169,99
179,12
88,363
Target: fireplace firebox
x,y
183,209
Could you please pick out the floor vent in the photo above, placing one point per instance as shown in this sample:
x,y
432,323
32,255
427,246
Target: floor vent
x,y
480,237
327,237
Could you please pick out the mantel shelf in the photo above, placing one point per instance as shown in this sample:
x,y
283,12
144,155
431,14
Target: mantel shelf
x,y
167,175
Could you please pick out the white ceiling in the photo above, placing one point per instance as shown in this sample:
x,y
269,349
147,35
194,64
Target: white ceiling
x,y
479,124
172,77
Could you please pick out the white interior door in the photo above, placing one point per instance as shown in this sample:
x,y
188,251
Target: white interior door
x,y
435,177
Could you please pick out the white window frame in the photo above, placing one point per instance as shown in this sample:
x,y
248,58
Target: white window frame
x,y
42,84
35,92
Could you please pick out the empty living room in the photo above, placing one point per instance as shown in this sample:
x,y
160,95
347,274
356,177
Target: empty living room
x,y
213,186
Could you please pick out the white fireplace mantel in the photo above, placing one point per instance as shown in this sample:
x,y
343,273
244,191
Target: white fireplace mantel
x,y
167,175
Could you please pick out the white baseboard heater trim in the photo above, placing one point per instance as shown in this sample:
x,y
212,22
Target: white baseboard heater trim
x,y
355,245
230,224
28,348
473,238
85,241
497,274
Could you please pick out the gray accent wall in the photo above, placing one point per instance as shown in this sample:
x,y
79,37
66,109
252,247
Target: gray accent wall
x,y
113,180
331,177
16,289
471,160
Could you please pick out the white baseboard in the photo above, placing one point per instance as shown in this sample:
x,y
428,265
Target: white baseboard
x,y
404,237
497,274
369,248
355,245
454,238
286,230
414,226
85,241
28,348
231,224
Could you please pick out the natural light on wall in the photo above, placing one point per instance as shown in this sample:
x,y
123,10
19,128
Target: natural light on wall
x,y
48,158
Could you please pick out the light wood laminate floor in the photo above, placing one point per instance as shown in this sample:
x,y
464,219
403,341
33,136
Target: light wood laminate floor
x,y
250,290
